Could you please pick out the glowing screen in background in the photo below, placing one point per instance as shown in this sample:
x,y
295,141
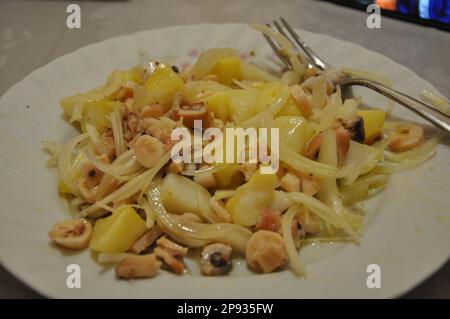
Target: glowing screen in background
x,y
438,10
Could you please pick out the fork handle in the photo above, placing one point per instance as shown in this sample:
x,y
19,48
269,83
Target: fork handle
x,y
427,112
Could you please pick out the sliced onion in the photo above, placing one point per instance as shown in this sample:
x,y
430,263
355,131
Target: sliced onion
x,y
93,133
324,212
77,113
130,188
286,224
115,169
116,123
65,171
108,258
390,168
223,194
54,149
304,164
197,234
149,213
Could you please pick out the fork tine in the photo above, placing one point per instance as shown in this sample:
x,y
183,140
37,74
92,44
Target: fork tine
x,y
277,51
281,30
309,52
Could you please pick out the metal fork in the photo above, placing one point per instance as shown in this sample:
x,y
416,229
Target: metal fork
x,y
427,112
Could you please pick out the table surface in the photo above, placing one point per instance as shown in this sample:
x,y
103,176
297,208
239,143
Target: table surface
x,y
33,33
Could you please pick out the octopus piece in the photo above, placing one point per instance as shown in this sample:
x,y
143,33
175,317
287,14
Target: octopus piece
x,y
215,259
72,234
139,266
131,124
406,137
290,183
173,248
146,240
171,254
342,144
301,100
313,147
309,184
153,111
90,179
105,144
175,168
189,114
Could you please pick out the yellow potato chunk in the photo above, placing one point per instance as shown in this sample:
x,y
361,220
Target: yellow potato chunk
x,y
218,104
135,74
162,84
194,91
208,60
118,232
62,188
96,113
373,122
227,69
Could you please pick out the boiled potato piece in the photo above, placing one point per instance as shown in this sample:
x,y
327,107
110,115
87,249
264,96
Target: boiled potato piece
x,y
162,84
196,90
227,69
96,113
250,199
181,195
62,188
208,60
373,122
241,104
293,130
218,104
135,74
118,232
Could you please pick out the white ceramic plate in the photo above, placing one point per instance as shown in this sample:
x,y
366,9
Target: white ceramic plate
x,y
408,235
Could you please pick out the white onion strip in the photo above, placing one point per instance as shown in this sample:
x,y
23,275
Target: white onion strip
x,y
130,188
294,258
114,169
65,173
323,211
304,164
116,122
197,234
